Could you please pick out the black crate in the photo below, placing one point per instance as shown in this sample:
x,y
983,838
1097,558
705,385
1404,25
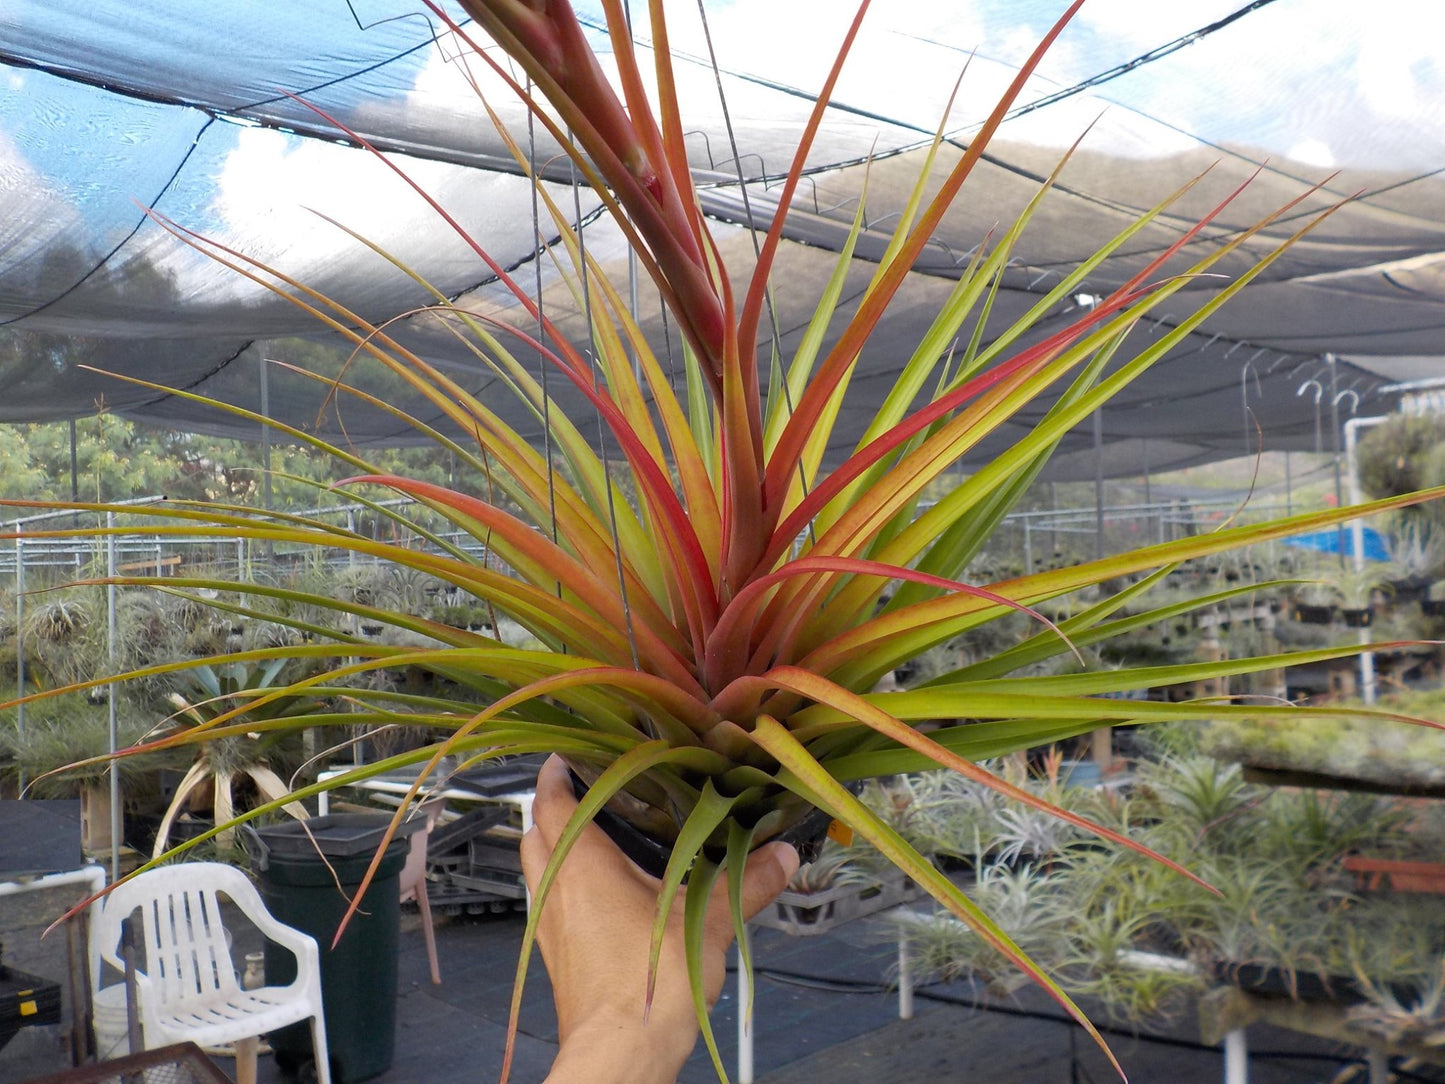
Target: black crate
x,y
25,1001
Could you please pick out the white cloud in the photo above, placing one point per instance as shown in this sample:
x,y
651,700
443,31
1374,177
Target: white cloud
x,y
1312,152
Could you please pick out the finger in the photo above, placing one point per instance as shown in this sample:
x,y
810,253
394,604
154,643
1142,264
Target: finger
x,y
535,853
767,873
555,803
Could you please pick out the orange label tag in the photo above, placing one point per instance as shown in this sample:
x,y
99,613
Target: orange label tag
x,y
840,834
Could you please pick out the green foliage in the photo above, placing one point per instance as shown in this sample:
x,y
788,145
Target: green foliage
x,y
1402,454
1129,931
1386,752
941,946
63,731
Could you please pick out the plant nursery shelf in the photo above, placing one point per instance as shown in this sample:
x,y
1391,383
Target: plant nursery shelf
x,y
1226,1009
1283,777
807,914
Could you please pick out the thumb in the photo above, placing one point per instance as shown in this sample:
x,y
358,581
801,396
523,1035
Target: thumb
x,y
767,873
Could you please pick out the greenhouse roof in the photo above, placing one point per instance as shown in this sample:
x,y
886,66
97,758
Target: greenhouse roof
x,y
224,119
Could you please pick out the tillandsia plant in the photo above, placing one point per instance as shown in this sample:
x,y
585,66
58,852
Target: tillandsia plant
x,y
714,603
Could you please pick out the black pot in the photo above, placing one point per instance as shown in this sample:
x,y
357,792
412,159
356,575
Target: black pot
x,y
1313,615
1358,618
651,855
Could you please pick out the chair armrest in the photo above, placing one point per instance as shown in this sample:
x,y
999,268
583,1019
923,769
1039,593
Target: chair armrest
x,y
276,930
302,945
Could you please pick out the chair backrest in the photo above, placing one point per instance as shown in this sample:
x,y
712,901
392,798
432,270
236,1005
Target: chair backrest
x,y
187,951
414,872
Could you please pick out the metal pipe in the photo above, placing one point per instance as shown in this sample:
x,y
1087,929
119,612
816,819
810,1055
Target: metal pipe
x,y
20,639
745,1018
1236,1057
112,698
1099,482
1357,541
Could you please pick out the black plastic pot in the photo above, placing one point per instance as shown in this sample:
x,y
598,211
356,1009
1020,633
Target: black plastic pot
x,y
1358,618
651,855
1313,615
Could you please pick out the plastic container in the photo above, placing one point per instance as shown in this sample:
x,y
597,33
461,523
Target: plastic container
x,y
308,874
112,1027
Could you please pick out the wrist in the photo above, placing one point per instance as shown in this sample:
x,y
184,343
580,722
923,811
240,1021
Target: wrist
x,y
608,1050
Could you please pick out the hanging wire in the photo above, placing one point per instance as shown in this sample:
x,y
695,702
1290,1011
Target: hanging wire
x,y
742,180
1158,53
602,441
542,365
776,336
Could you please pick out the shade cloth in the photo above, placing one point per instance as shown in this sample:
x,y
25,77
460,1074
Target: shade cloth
x,y
223,117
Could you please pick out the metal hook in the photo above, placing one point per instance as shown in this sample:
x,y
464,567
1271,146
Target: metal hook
x,y
1245,371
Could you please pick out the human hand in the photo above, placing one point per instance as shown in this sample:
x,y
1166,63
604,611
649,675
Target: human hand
x,y
595,932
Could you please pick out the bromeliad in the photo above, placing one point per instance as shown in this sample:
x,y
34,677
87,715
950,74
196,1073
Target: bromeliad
x,y
712,614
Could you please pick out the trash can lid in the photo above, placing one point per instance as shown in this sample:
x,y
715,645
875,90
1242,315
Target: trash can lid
x,y
337,835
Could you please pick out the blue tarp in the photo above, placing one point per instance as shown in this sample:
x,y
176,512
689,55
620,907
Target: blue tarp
x,y
1329,542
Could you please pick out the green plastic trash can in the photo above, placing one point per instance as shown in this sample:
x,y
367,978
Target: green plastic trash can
x,y
309,885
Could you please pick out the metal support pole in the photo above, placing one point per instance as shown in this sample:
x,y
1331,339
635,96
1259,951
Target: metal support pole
x,y
1053,519
74,470
265,435
20,640
111,699
1099,482
1335,430
745,1019
905,977
1028,549
1236,1057
1368,685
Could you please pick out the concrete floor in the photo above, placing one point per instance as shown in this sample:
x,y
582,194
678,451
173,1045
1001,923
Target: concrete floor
x,y
825,1012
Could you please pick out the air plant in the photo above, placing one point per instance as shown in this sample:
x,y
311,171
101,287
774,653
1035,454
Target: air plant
x,y
714,601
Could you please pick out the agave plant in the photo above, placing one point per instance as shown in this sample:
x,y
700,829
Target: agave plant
x,y
221,761
714,602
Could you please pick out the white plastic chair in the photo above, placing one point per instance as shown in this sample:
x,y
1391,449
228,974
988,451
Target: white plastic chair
x,y
188,988
413,877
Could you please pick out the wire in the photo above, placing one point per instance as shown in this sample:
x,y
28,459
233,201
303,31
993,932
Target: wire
x,y
1158,53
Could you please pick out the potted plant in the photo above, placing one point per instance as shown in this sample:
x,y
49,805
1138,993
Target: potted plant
x,y
716,597
1282,921
1315,600
1359,585
837,886
233,691
62,753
